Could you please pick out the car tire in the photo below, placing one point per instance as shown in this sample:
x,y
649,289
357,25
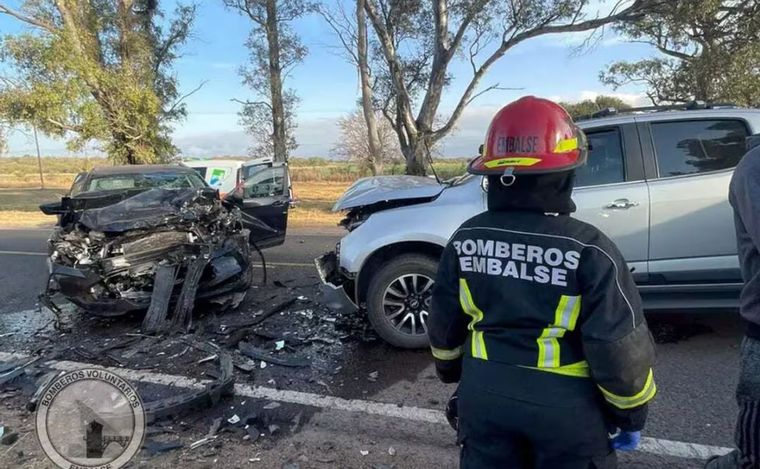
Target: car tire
x,y
410,274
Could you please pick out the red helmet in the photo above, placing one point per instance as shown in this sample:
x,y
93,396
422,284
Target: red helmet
x,y
531,136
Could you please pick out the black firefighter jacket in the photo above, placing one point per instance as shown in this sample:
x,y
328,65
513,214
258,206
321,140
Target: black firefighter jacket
x,y
549,294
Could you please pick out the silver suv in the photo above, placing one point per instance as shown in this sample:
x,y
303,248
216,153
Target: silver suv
x,y
656,183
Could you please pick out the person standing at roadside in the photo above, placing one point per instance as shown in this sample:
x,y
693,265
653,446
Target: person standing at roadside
x,y
744,196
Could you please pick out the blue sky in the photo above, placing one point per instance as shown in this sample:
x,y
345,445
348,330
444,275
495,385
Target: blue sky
x,y
327,85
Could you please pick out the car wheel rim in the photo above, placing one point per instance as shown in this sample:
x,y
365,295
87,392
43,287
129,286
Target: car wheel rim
x,y
406,303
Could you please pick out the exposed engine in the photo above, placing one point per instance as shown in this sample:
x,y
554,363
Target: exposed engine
x,y
109,258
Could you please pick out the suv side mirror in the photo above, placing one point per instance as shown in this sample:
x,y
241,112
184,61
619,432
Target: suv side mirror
x,y
53,208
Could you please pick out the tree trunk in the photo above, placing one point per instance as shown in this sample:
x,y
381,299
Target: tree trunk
x,y
373,138
414,154
275,83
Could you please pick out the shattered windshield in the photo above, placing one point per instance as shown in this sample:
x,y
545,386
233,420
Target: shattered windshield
x,y
162,180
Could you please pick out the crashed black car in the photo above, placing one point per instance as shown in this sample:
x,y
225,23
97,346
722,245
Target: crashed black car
x,y
147,237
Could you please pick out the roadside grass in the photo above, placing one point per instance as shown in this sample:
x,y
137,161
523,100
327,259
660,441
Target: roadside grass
x,y
27,200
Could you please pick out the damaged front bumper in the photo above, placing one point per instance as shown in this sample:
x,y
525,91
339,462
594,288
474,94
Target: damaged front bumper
x,y
334,283
106,258
226,273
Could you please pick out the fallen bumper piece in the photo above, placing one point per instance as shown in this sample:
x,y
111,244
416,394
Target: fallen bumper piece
x,y
208,397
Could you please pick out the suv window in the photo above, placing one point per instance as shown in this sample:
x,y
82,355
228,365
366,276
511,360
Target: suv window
x,y
689,147
605,160
265,182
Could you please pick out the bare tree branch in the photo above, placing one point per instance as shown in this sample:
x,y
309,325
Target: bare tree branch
x,y
182,98
542,29
27,19
252,103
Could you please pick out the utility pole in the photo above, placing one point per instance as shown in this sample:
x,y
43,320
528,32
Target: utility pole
x,y
39,156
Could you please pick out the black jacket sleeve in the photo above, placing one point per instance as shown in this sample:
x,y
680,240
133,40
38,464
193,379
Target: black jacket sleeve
x,y
616,340
447,324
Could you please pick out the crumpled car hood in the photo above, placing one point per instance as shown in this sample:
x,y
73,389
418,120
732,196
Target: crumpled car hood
x,y
372,190
148,209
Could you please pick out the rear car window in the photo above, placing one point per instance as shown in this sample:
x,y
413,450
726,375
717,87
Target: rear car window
x,y
163,180
201,170
605,160
701,146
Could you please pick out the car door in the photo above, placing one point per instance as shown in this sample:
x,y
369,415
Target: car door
x,y
264,198
611,192
692,237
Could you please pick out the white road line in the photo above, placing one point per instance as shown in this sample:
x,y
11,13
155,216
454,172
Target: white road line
x,y
655,446
273,264
680,449
22,253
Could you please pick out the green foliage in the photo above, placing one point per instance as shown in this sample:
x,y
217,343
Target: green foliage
x,y
709,52
97,70
588,106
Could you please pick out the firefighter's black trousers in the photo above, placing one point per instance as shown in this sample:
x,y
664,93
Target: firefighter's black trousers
x,y
511,417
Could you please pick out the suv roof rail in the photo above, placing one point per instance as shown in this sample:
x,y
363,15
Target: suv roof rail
x,y
690,106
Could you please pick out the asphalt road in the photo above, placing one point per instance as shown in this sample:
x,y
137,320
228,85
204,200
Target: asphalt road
x,y
696,366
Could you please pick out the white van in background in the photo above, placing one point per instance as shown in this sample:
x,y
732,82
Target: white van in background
x,y
218,173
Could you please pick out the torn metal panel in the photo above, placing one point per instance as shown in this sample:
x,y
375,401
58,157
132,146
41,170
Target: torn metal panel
x,y
186,300
163,284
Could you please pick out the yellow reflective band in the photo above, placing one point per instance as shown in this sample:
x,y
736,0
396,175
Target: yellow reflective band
x,y
468,306
548,347
443,354
576,370
567,312
638,399
566,144
504,162
565,319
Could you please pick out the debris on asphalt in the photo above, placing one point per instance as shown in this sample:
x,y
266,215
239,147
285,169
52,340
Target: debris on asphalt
x,y
153,447
234,420
9,437
364,452
263,364
256,353
296,423
279,345
253,433
15,369
272,406
392,451
202,442
210,358
239,331
373,376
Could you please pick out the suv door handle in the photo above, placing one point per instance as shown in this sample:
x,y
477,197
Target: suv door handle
x,y
621,204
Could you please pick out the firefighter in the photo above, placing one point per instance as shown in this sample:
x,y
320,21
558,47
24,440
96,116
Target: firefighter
x,y
535,314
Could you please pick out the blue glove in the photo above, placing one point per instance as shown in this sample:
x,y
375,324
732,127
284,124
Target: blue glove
x,y
626,441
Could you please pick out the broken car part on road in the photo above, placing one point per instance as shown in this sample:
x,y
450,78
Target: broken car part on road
x,y
118,252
